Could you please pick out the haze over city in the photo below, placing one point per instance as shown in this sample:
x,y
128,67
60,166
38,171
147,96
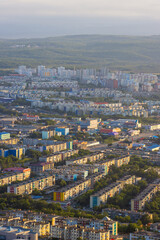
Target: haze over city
x,y
37,18
80,119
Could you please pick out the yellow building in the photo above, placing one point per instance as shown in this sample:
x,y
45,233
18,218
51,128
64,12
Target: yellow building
x,y
71,191
41,228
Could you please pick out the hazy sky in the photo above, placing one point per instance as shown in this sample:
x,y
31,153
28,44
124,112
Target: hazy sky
x,y
43,18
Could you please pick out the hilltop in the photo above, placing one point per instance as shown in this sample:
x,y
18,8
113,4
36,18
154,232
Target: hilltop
x,y
128,53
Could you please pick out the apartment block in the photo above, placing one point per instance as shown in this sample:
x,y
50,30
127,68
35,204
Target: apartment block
x,y
72,190
47,134
58,157
27,187
83,160
42,166
145,235
107,162
61,227
73,233
89,124
96,177
16,152
8,178
11,141
56,147
118,162
10,233
41,228
63,130
102,196
139,202
69,174
122,161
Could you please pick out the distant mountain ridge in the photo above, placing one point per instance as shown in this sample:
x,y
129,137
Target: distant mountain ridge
x,y
128,53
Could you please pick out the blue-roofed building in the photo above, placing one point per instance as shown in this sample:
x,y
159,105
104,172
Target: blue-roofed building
x,y
8,233
153,148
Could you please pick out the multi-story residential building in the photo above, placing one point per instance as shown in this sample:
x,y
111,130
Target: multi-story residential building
x,y
89,158
49,145
73,233
69,174
109,191
41,228
11,141
57,147
63,130
60,227
47,134
134,215
16,152
84,228
42,166
72,190
145,235
59,156
10,233
122,161
20,175
89,124
118,162
139,202
27,187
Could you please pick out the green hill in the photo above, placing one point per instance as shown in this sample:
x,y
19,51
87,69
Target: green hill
x,y
141,54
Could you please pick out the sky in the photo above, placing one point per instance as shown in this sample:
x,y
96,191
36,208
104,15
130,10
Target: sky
x,y
47,18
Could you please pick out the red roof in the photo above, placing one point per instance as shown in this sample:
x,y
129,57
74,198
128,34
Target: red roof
x,y
15,169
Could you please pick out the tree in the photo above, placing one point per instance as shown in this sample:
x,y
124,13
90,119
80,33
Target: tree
x,y
36,192
146,219
62,183
131,227
35,135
